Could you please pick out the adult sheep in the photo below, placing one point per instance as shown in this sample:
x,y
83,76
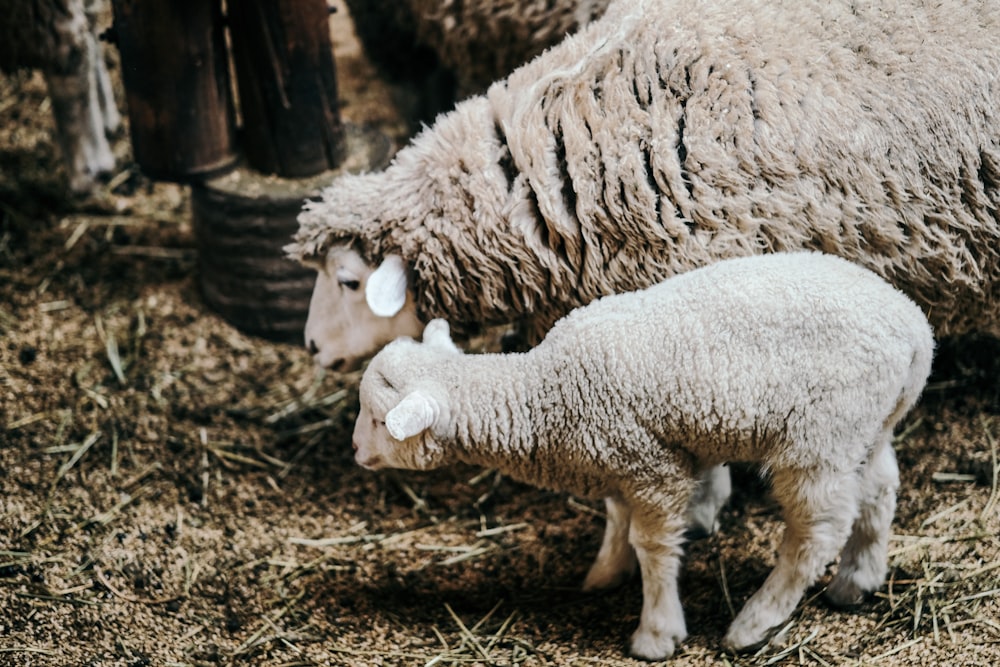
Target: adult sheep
x,y
668,135
59,37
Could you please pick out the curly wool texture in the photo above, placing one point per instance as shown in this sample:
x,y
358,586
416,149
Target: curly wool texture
x,y
795,360
669,135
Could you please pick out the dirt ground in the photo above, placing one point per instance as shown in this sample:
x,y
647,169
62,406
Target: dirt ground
x,y
173,492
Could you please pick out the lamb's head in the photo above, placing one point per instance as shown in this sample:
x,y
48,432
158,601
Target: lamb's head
x,y
356,308
404,406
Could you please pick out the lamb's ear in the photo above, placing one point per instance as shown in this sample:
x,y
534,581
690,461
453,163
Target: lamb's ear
x,y
437,335
411,416
385,291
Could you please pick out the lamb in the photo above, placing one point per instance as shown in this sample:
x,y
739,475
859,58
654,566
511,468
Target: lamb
x,y
668,135
801,362
59,37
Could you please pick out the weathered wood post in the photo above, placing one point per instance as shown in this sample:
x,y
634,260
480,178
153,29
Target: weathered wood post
x,y
177,87
175,68
288,86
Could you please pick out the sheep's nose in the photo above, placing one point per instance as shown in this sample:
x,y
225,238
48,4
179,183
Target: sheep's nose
x,y
312,347
338,364
354,445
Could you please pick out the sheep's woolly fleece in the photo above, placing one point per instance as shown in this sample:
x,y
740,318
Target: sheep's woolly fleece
x,y
670,134
734,360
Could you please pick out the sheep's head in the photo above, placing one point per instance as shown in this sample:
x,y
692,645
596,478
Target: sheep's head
x,y
357,308
403,408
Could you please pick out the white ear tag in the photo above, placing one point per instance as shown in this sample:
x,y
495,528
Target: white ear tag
x,y
411,416
385,290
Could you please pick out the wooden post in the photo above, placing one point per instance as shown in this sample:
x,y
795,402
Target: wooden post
x,y
287,84
174,68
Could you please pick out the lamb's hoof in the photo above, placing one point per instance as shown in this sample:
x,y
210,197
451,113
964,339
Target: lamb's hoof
x,y
844,594
654,645
745,637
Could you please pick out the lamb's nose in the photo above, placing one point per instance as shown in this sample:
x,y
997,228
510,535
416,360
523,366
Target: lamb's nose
x,y
312,347
354,445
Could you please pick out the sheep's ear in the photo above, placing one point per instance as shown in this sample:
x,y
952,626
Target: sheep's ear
x,y
411,416
385,291
436,334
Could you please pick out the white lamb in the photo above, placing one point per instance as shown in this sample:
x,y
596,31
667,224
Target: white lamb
x,y
801,362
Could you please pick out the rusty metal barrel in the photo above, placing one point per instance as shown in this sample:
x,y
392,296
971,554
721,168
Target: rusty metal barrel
x,y
243,219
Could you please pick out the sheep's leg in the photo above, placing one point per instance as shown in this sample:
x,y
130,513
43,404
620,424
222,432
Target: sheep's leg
x,y
616,561
819,510
710,496
105,92
110,116
80,120
657,537
863,561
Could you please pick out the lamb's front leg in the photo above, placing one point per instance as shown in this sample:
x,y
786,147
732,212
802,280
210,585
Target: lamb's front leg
x,y
657,537
616,561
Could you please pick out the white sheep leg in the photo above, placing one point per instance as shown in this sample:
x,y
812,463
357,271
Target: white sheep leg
x,y
711,495
657,538
615,561
105,91
80,121
106,97
863,561
819,509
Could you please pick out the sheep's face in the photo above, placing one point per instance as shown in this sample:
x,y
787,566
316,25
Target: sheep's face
x,y
357,308
403,411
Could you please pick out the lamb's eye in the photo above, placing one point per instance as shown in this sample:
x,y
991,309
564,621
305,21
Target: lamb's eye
x,y
350,284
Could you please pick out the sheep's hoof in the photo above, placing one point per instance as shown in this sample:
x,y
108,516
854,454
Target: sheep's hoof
x,y
649,645
844,593
745,638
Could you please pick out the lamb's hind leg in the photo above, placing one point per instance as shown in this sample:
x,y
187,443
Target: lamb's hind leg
x,y
714,489
657,537
863,561
819,509
616,560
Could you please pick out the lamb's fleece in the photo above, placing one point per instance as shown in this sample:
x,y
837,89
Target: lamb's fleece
x,y
673,133
800,362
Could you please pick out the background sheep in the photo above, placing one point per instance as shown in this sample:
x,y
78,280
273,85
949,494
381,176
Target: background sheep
x,y
803,363
668,135
59,37
475,41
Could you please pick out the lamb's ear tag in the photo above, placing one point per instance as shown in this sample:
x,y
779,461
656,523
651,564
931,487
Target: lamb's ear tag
x,y
411,416
385,290
436,334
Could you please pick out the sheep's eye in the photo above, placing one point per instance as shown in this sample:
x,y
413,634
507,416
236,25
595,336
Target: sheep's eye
x,y
350,284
